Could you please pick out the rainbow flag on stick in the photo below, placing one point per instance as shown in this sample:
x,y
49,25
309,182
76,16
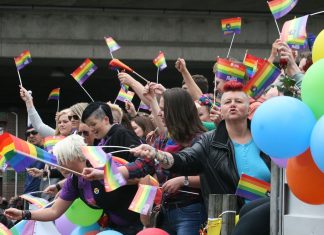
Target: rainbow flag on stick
x,y
279,8
4,230
252,188
143,106
160,62
112,44
50,141
229,70
143,200
231,25
84,71
96,156
39,202
23,59
262,79
55,94
294,32
123,96
119,161
113,179
252,64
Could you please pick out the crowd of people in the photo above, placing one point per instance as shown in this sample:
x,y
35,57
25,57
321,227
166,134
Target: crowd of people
x,y
193,142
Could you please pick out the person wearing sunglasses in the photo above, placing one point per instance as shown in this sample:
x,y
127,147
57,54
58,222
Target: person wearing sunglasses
x,y
85,132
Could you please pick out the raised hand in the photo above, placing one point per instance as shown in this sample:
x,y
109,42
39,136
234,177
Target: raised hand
x,y
92,174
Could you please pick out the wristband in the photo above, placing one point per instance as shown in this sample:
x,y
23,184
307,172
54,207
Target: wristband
x,y
58,186
26,215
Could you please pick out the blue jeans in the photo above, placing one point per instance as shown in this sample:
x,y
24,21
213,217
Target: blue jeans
x,y
184,220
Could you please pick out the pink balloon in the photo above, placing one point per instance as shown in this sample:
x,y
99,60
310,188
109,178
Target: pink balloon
x,y
150,231
64,226
281,162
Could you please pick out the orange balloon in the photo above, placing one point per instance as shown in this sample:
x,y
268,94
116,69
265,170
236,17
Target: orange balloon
x,y
305,180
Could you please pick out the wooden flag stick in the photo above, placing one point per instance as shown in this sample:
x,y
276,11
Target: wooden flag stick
x,y
86,92
229,50
147,81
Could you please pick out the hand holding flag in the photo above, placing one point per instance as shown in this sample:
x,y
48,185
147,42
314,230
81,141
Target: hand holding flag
x,y
117,64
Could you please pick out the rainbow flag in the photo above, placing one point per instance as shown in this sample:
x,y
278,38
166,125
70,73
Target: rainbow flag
x,y
143,200
119,161
229,70
55,94
50,141
23,227
252,188
279,8
84,71
160,62
143,106
96,156
23,59
294,32
124,87
231,25
123,96
113,179
262,79
4,230
37,201
252,64
112,44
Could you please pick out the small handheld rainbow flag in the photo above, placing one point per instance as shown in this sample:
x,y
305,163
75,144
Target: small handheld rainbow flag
x,y
262,79
96,156
143,106
55,94
119,161
84,71
4,230
279,8
113,179
50,141
229,70
294,32
123,96
112,44
143,200
252,64
39,202
23,59
252,188
231,25
160,62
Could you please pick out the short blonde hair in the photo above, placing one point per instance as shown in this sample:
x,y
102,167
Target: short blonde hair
x,y
78,109
69,149
117,112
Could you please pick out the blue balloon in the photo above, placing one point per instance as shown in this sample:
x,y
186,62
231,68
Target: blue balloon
x,y
282,126
316,144
109,232
84,230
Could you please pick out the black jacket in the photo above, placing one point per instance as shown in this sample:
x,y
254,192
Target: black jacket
x,y
213,158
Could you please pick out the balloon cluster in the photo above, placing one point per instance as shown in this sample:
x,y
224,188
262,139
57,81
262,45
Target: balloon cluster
x,y
291,131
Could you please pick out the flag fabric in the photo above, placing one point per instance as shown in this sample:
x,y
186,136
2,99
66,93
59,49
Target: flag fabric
x,y
252,188
229,70
4,230
143,106
55,94
50,141
252,64
123,96
37,201
119,161
117,64
294,32
23,59
112,44
124,87
96,156
160,62
143,200
34,227
263,78
113,179
279,8
84,71
231,25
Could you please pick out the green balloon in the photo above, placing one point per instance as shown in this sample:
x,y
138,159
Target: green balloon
x,y
81,214
312,88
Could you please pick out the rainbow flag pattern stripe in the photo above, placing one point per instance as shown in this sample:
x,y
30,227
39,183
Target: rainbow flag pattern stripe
x,y
294,32
50,141
231,25
113,179
119,161
4,230
112,44
160,62
84,71
262,79
143,200
228,70
252,64
252,188
23,59
55,94
23,227
143,106
123,96
279,8
39,202
96,156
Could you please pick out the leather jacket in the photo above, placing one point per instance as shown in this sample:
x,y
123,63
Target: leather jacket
x,y
213,158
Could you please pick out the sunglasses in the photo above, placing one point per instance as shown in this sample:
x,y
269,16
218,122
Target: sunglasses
x,y
75,117
28,133
83,133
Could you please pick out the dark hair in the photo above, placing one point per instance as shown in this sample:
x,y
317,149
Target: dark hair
x,y
145,123
233,86
201,81
29,127
181,115
99,110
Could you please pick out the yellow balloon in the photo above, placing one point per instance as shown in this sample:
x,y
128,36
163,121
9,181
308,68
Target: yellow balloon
x,y
318,47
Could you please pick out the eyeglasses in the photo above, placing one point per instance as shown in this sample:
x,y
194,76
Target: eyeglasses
x,y
83,133
75,117
28,133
